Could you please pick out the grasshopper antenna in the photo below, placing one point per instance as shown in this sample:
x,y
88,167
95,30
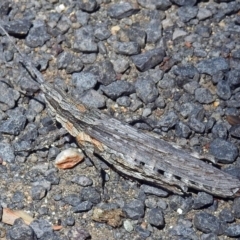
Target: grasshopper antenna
x,y
24,59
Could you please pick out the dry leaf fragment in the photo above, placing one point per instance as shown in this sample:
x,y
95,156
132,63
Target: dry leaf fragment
x,y
111,217
69,158
9,216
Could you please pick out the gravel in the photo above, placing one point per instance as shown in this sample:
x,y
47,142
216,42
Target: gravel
x,y
168,67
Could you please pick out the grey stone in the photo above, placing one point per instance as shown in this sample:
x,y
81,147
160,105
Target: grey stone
x,y
121,10
29,85
82,17
209,236
36,104
124,101
41,227
154,31
183,232
143,233
204,96
220,131
21,231
72,199
212,66
226,215
38,192
196,125
147,189
168,120
146,90
82,180
37,35
52,177
202,200
236,208
78,233
92,99
187,13
224,151
188,71
223,90
118,89
120,64
90,194
7,152
85,45
126,48
184,2
149,59
155,4
155,217
233,230
102,33
14,125
138,35
8,95
18,28
182,130
160,102
233,78
207,223
83,207
204,13
84,81
134,209
88,6
203,31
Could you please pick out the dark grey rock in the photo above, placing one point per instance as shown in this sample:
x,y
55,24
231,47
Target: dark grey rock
x,y
176,202
5,8
236,207
149,59
233,230
28,85
38,192
134,209
196,125
182,130
83,207
92,99
202,200
121,10
21,231
224,151
88,6
146,90
147,189
209,236
118,89
124,101
160,102
82,180
13,125
105,71
168,120
154,31
126,48
17,197
235,131
7,152
41,227
18,28
78,233
204,13
90,194
189,109
184,2
36,104
233,78
204,96
72,199
188,71
138,35
155,4
212,66
207,223
220,131
183,232
85,45
236,54
226,215
37,35
52,176
84,80
156,218
82,17
223,90
102,33
203,31
64,59
8,95
121,64
187,13
22,145
143,233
